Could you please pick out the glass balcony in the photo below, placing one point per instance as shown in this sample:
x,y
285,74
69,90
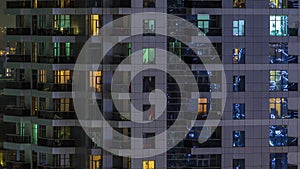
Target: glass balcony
x,y
18,58
55,87
18,31
49,114
56,32
18,4
50,142
15,138
56,59
17,111
17,85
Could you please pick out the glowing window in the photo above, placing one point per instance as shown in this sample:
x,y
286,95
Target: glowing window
x,y
95,24
238,28
278,108
149,164
62,76
96,80
238,56
239,3
203,22
203,107
42,76
279,80
95,162
279,25
149,56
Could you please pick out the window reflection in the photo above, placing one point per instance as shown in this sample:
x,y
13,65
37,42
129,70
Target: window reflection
x,y
238,83
238,139
238,56
279,137
238,111
279,81
238,163
279,54
283,4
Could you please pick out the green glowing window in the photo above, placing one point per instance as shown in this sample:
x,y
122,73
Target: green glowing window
x,y
129,49
68,49
149,56
62,21
34,133
203,22
22,128
62,49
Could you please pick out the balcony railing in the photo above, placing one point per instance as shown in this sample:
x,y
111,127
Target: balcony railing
x,y
18,4
203,4
48,114
18,58
17,164
18,31
17,111
50,142
56,59
54,4
119,31
120,144
55,87
17,85
14,138
56,32
52,167
118,117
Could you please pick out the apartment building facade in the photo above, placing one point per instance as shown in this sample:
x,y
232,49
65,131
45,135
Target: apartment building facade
x,y
256,40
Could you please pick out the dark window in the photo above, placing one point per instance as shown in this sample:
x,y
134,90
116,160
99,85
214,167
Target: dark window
x,y
149,140
238,83
238,163
149,3
238,139
238,111
278,161
148,83
149,112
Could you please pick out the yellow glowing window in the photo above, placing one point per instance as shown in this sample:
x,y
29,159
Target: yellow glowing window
x,y
278,3
62,76
42,76
276,106
202,105
96,80
95,162
94,24
149,164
